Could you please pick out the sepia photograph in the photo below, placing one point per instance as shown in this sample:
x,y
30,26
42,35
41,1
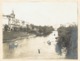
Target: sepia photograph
x,y
40,30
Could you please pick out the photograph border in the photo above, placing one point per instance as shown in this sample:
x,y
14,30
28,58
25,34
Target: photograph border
x,y
22,1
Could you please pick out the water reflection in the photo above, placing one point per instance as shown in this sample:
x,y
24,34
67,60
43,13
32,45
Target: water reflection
x,y
58,49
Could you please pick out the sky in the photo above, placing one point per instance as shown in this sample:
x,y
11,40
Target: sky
x,y
45,13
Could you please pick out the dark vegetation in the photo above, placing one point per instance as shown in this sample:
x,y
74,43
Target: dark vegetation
x,y
26,31
39,30
68,37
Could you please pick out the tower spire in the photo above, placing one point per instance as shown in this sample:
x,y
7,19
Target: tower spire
x,y
12,14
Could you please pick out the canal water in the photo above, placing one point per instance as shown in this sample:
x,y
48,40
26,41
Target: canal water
x,y
34,48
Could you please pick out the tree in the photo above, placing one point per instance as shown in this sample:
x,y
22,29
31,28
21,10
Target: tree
x,y
68,38
6,27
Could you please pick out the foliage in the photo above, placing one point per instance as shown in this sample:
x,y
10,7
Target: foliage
x,y
33,29
67,37
6,27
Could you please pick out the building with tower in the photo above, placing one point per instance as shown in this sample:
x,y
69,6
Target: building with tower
x,y
13,22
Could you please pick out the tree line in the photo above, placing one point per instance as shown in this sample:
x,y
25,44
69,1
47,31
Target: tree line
x,y
32,29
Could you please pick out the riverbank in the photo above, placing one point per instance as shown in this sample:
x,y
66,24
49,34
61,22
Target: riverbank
x,y
14,35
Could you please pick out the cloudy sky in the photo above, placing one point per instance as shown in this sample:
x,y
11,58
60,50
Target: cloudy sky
x,y
42,13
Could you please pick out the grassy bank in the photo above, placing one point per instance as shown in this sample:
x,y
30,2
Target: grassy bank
x,y
13,35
